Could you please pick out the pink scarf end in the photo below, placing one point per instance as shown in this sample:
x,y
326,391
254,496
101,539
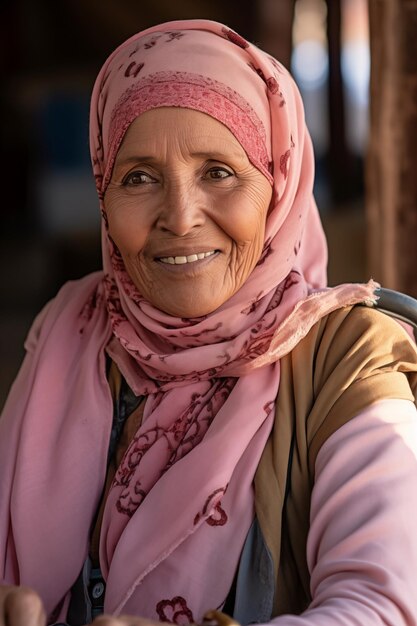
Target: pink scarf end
x,y
306,313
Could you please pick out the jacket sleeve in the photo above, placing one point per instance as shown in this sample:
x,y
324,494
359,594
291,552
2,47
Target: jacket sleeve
x,y
362,542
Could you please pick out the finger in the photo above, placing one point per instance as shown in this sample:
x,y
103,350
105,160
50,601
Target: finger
x,y
23,607
217,618
108,620
124,620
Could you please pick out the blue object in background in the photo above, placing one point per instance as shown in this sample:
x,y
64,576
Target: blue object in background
x,y
66,196
62,129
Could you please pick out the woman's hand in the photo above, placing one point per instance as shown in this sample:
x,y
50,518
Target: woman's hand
x,y
21,606
125,620
211,618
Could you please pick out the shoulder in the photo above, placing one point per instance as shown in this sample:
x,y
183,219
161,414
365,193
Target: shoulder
x,y
74,294
362,336
350,359
350,324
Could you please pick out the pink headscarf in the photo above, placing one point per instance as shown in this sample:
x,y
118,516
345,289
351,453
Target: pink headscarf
x,y
181,504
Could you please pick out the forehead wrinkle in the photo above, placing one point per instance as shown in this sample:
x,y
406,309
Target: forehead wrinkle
x,y
211,156
128,156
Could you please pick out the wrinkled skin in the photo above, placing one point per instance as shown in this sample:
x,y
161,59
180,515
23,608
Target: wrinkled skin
x,y
182,185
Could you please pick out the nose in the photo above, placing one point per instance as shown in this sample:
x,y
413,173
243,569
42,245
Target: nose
x,y
182,209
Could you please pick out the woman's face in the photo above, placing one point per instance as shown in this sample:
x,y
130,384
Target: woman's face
x,y
187,210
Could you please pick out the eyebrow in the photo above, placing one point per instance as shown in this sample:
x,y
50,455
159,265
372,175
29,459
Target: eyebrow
x,y
134,158
216,155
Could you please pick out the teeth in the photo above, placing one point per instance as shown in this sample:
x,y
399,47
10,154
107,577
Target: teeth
x,y
181,260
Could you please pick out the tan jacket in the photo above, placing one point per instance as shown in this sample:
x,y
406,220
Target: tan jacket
x,y
350,359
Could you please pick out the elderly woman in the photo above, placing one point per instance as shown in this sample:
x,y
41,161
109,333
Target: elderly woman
x,y
202,428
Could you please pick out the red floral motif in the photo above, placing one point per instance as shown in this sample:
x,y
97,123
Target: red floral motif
x,y
281,104
255,346
297,247
293,278
266,252
275,64
197,338
93,302
193,377
133,69
105,219
99,181
193,320
262,333
213,501
135,49
116,257
105,79
181,437
104,94
283,163
129,499
272,85
257,70
235,38
174,35
120,270
254,305
113,302
174,611
198,418
268,407
218,517
151,43
257,343
99,146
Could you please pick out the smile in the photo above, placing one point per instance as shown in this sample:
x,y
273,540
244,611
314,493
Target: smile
x,y
181,260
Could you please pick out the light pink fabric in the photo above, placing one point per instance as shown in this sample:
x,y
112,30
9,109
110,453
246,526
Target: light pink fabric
x,y
182,500
361,553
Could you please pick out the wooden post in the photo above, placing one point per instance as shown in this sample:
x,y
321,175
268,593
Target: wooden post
x,y
274,28
391,169
339,162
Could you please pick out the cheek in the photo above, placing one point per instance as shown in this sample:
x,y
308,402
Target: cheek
x,y
245,218
127,228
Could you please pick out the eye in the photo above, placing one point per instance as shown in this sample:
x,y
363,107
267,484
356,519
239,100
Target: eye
x,y
218,173
136,178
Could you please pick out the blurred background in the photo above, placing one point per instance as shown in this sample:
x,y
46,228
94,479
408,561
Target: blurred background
x,y
51,53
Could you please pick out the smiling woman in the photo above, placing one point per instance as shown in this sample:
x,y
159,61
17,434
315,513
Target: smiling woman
x,y
202,429
191,211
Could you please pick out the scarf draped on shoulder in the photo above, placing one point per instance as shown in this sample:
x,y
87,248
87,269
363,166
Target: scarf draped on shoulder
x,y
182,500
